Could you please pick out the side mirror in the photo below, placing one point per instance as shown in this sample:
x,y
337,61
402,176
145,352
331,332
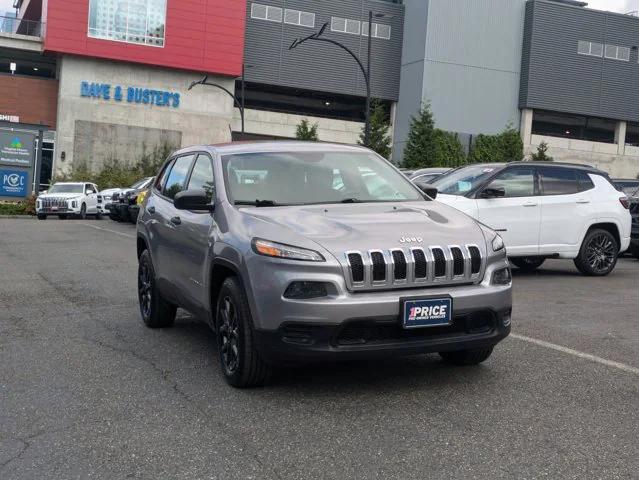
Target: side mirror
x,y
88,192
428,189
195,200
496,192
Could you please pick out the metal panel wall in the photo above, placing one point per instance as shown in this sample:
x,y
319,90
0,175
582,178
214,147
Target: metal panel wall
x,y
321,66
559,79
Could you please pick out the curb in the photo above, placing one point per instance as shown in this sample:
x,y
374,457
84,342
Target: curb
x,y
17,217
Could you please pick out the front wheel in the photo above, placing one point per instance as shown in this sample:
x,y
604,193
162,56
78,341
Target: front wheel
x,y
527,264
83,212
98,216
240,362
467,357
598,254
156,312
635,252
42,216
62,217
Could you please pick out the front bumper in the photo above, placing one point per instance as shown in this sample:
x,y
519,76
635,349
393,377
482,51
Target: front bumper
x,y
380,337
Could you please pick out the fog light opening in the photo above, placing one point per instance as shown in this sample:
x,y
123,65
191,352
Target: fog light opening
x,y
502,277
305,290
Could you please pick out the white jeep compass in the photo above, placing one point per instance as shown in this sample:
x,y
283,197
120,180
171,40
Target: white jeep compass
x,y
545,210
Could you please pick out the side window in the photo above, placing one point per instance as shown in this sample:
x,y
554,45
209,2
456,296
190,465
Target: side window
x,y
90,188
161,178
559,181
176,180
516,182
202,176
585,182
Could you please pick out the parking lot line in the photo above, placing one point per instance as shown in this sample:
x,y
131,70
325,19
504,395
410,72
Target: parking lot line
x,y
109,230
576,353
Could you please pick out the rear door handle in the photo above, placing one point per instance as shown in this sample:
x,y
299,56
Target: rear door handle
x,y
583,201
530,204
176,221
151,210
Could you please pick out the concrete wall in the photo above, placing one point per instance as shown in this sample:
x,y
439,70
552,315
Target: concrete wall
x,y
472,64
204,115
284,125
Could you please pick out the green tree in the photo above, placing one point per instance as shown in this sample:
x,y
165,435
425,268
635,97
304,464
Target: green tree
x,y
420,147
504,147
541,154
449,152
380,140
306,131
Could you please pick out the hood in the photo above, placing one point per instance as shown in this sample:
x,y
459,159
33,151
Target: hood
x,y
110,191
340,228
60,195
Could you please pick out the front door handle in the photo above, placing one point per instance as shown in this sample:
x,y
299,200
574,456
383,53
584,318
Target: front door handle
x,y
583,201
151,210
530,204
176,221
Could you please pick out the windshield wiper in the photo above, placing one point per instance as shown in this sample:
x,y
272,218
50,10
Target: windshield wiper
x,y
351,200
259,203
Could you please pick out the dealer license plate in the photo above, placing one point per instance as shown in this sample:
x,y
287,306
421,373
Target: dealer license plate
x,y
430,312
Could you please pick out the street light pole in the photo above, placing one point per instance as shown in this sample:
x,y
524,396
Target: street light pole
x,y
366,71
367,131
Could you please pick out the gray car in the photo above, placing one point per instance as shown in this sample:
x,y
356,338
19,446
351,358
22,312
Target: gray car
x,y
304,252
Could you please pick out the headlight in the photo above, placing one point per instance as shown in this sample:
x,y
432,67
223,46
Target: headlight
x,y
279,250
498,243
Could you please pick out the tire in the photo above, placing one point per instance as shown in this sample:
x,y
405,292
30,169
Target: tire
x,y
527,264
63,217
156,312
240,362
98,216
83,212
42,216
467,357
634,251
598,254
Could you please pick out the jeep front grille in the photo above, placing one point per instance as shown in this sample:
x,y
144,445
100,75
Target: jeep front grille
x,y
413,267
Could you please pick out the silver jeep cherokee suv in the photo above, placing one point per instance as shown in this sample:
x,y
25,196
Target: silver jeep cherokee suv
x,y
296,252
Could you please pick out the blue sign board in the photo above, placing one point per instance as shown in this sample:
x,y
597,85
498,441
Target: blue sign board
x,y
118,93
14,183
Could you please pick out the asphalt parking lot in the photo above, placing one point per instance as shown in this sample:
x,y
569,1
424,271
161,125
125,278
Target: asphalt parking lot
x,y
86,391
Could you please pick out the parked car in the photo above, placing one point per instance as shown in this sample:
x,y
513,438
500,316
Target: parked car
x,y
634,211
545,210
302,260
66,199
112,195
123,207
428,175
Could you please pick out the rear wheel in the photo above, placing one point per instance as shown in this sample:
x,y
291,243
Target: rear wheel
x,y
42,216
156,312
598,254
98,216
528,264
467,357
240,362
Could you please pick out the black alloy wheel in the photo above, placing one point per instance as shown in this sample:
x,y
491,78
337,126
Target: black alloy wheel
x,y
599,253
229,336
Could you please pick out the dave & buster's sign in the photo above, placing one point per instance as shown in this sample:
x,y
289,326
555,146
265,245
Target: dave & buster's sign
x,y
118,93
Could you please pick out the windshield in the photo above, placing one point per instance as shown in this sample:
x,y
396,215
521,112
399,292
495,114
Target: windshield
x,y
463,180
67,188
307,178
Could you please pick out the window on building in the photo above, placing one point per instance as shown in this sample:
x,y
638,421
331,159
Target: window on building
x,y
379,30
615,52
632,134
297,17
579,127
590,48
266,12
132,21
346,25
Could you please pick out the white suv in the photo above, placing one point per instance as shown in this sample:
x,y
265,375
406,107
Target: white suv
x,y
545,210
66,199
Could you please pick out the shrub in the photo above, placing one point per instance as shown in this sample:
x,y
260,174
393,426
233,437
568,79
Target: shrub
x,y
380,140
12,208
504,147
541,155
307,132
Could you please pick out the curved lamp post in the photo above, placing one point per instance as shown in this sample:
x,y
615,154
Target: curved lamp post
x,y
366,71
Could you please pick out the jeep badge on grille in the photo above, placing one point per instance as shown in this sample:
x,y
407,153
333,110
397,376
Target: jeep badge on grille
x,y
411,240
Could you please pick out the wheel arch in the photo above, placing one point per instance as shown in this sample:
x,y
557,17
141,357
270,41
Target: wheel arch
x,y
221,269
610,227
141,245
